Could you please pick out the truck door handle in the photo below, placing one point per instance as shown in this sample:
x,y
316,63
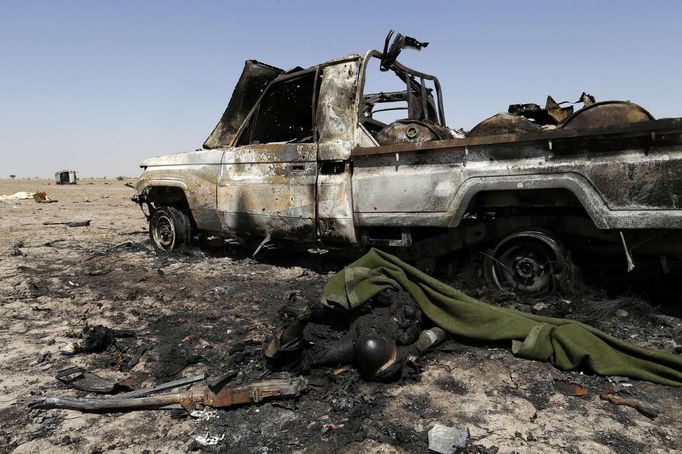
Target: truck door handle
x,y
298,168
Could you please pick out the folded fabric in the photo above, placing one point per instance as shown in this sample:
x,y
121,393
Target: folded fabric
x,y
565,343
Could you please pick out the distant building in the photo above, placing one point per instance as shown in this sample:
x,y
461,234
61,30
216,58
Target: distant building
x,y
65,177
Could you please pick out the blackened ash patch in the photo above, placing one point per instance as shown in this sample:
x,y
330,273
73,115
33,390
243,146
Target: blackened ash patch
x,y
538,394
421,404
451,385
620,443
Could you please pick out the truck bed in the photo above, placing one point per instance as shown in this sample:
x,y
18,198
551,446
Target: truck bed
x,y
626,176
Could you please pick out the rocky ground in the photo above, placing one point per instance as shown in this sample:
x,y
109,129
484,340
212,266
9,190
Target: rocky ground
x,y
213,310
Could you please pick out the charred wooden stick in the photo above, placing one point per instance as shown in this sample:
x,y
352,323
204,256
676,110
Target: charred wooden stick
x,y
226,397
646,410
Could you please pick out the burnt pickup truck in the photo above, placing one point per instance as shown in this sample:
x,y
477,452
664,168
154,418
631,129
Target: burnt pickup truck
x,y
320,156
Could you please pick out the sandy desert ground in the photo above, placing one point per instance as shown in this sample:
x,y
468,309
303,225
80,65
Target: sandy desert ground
x,y
213,310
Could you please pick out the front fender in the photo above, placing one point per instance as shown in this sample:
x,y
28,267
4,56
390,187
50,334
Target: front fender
x,y
144,184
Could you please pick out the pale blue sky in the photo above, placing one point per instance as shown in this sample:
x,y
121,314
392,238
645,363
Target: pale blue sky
x,y
100,86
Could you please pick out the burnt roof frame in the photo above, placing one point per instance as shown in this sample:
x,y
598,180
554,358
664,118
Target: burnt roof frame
x,y
408,76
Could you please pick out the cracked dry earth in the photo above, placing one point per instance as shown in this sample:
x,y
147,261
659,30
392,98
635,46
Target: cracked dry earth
x,y
212,311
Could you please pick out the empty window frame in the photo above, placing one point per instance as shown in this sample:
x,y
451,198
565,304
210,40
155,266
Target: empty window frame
x,y
284,114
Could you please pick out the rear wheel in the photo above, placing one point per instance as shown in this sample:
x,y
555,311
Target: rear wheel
x,y
169,229
530,262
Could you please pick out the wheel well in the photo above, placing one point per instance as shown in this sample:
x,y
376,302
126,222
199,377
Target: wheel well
x,y
168,196
491,215
525,200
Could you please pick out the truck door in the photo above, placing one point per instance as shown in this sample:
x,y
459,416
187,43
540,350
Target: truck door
x,y
267,180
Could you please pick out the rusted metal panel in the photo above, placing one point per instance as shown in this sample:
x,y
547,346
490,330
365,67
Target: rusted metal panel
x,y
335,204
337,110
196,174
619,188
338,134
269,189
607,113
394,188
635,181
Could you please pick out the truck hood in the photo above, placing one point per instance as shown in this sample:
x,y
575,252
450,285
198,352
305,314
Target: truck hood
x,y
185,158
255,77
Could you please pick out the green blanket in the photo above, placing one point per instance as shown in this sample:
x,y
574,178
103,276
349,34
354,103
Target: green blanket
x,y
566,344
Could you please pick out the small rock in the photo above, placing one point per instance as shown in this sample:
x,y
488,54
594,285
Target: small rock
x,y
167,298
222,290
328,427
622,313
294,296
43,357
539,307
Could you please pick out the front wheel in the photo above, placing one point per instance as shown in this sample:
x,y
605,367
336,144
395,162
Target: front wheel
x,y
169,229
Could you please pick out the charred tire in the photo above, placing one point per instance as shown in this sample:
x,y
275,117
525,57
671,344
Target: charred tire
x,y
530,262
169,229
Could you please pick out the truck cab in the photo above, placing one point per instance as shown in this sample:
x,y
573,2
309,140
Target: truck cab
x,y
278,163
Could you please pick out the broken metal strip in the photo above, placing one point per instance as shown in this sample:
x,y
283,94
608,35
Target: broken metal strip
x,y
165,386
410,98
141,403
628,257
425,107
439,95
316,95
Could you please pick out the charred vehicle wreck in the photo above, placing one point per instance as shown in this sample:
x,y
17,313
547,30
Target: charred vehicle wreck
x,y
305,155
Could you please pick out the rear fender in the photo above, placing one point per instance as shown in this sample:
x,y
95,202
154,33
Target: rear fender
x,y
585,192
578,185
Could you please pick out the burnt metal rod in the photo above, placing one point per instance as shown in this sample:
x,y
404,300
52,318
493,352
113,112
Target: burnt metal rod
x,y
648,411
140,403
170,385
227,397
